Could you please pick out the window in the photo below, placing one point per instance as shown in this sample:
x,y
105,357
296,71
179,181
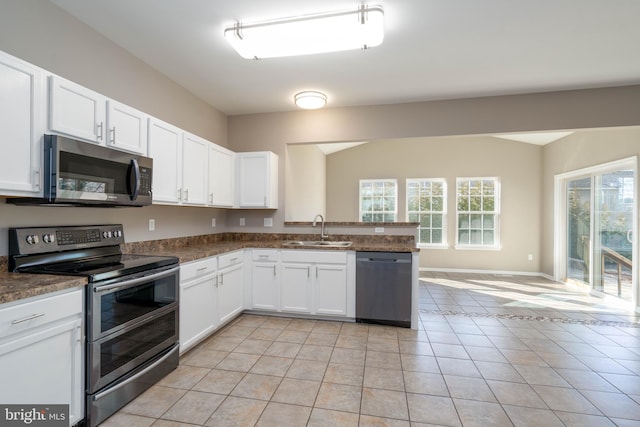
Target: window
x,y
378,200
478,212
427,204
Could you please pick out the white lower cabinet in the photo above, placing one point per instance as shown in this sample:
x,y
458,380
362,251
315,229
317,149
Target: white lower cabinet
x,y
314,282
230,285
198,301
296,287
264,279
41,352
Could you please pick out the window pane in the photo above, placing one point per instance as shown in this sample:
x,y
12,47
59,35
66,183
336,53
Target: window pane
x,y
436,220
463,221
425,203
474,188
390,204
378,217
377,204
389,217
425,220
476,237
463,237
475,203
367,217
488,237
463,188
487,221
437,189
463,204
414,217
488,187
436,235
488,203
476,221
437,204
425,236
390,188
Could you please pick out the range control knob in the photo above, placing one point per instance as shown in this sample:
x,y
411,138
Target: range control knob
x,y
32,239
106,234
117,233
49,238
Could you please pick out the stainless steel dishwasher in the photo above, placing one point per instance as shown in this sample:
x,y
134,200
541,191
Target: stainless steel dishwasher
x,y
383,288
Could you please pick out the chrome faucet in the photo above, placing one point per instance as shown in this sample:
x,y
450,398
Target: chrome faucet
x,y
315,222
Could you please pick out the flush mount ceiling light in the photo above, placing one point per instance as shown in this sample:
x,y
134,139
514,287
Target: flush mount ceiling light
x,y
310,100
327,32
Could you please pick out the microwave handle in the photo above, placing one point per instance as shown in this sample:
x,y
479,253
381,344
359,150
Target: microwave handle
x,y
133,184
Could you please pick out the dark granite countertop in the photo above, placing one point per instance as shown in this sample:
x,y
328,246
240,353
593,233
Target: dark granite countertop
x,y
17,286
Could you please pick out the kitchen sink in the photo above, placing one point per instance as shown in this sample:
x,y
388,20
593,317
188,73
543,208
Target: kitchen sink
x,y
318,243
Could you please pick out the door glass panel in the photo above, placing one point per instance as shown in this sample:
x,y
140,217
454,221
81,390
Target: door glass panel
x,y
578,229
613,223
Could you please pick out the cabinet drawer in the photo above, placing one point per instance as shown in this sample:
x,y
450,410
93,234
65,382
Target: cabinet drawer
x,y
230,259
264,255
35,312
201,267
317,257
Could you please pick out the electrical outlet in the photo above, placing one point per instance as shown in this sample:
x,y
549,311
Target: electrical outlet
x,y
242,222
213,222
152,224
379,230
530,257
268,222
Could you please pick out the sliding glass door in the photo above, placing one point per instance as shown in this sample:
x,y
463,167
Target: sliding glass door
x,y
599,214
613,230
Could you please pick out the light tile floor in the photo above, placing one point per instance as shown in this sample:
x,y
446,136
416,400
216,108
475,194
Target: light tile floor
x,y
491,351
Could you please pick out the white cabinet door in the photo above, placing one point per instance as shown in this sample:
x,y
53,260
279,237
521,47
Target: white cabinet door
x,y
45,367
296,287
331,289
221,176
198,310
264,291
127,128
194,170
76,111
257,180
22,124
230,290
165,148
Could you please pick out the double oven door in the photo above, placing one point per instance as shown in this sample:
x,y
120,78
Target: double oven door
x,y
130,321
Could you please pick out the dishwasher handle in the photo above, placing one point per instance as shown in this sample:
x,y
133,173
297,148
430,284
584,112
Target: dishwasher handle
x,y
384,257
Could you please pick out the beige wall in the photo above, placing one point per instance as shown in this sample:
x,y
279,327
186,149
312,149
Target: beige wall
x,y
518,166
577,151
40,33
305,182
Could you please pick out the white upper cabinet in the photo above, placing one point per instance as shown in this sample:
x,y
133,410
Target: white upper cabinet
x,y
126,128
76,111
82,113
22,105
257,180
221,176
165,148
194,170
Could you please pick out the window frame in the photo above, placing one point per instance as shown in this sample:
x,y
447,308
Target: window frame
x,y
444,243
383,212
497,244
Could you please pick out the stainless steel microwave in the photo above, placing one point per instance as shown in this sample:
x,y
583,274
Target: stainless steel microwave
x,y
78,173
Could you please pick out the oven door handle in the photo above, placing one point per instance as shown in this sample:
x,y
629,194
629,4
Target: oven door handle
x,y
133,282
158,362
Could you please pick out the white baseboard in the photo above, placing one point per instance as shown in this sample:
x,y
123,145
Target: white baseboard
x,y
496,272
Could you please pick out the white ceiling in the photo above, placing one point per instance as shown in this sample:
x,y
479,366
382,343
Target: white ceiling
x,y
433,49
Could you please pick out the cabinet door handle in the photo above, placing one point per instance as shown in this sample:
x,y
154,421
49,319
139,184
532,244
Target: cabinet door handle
x,y
186,195
221,279
26,319
36,179
112,131
309,271
179,194
99,130
210,197
316,271
202,269
274,269
79,334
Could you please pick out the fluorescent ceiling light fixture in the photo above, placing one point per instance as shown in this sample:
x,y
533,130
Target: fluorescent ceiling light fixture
x,y
538,138
362,28
310,100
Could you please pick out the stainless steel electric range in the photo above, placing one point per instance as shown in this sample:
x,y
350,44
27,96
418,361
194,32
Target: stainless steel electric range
x,y
131,307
